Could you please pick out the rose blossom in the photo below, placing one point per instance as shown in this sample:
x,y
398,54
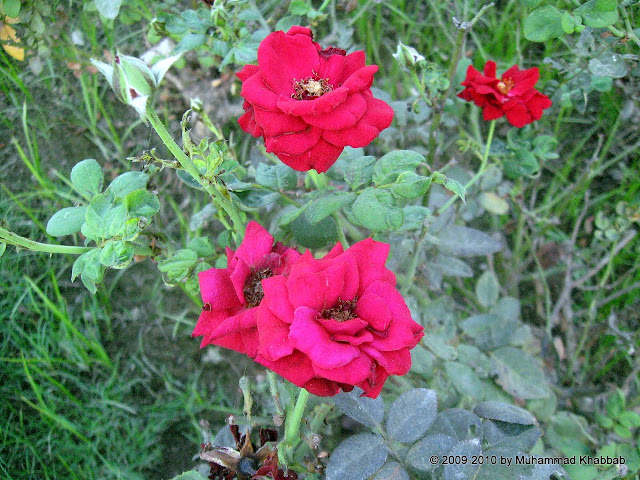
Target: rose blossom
x,y
337,322
308,103
231,294
512,95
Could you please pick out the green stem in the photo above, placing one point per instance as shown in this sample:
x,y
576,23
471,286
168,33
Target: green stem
x,y
319,179
479,173
341,237
193,170
13,239
292,423
414,261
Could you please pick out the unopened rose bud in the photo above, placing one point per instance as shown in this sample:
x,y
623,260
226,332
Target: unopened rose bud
x,y
133,82
407,56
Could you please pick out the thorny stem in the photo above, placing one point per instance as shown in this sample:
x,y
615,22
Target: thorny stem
x,y
292,423
192,170
12,239
479,173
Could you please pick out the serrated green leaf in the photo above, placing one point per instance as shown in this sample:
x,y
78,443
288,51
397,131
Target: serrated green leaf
x,y
188,179
391,471
410,185
3,247
519,373
276,177
108,8
116,254
320,208
124,184
256,198
105,217
387,169
420,456
190,475
466,242
299,7
177,266
359,171
457,423
11,8
190,41
490,331
319,235
493,203
89,268
142,203
487,289
504,413
595,18
358,457
543,24
375,209
66,221
368,411
459,470
412,414
87,178
606,5
464,379
203,246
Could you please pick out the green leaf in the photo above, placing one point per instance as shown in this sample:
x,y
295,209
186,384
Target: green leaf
x,y
490,331
375,209
531,3
459,470
11,8
190,41
367,411
116,254
595,18
87,177
420,455
412,414
108,8
519,373
390,166
105,217
466,242
568,23
487,289
523,163
319,235
3,247
124,184
358,457
320,208
188,179
629,419
410,185
177,266
608,64
299,7
504,413
276,177
606,5
615,404
359,171
89,268
142,203
391,471
457,423
203,246
66,221
543,24
414,217
464,379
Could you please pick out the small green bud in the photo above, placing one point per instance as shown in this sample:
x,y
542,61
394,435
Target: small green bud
x,y
133,82
408,56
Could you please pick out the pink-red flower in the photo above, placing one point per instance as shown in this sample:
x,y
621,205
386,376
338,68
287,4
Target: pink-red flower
x,y
307,102
231,294
338,322
512,95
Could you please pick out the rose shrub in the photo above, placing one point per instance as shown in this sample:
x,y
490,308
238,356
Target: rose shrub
x,y
231,294
326,325
512,95
307,102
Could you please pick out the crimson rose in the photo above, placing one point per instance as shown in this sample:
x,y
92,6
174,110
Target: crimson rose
x,y
512,95
337,322
307,102
230,295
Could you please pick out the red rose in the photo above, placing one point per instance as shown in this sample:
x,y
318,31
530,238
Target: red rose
x,y
309,103
512,95
337,322
231,294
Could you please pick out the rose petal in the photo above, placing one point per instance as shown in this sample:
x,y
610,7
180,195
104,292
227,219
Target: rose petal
x,y
397,362
307,335
258,93
274,122
344,115
317,106
283,59
320,157
217,289
296,367
273,334
256,244
275,298
353,373
294,143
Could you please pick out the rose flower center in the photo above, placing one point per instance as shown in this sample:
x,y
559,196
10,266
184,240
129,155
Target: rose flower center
x,y
343,311
505,86
253,293
310,88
